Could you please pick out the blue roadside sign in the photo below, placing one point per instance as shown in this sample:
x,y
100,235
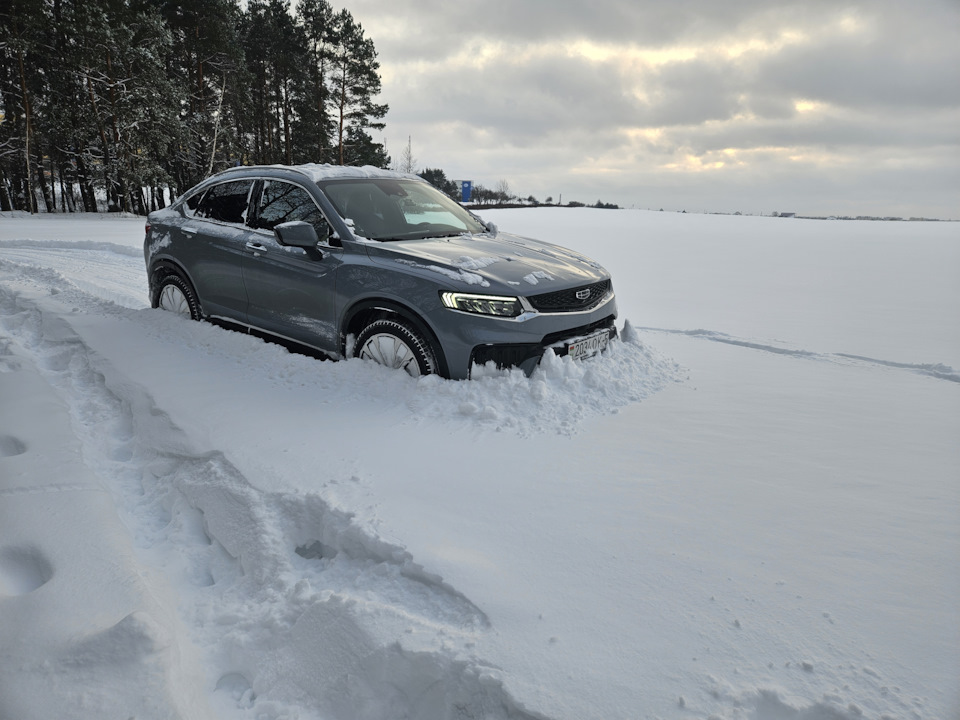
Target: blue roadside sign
x,y
466,187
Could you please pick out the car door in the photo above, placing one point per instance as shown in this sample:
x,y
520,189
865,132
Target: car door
x,y
214,236
291,292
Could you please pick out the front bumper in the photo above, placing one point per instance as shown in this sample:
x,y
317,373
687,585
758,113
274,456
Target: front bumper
x,y
469,339
526,356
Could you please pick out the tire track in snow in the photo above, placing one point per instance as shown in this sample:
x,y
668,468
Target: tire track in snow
x,y
105,270
935,370
288,602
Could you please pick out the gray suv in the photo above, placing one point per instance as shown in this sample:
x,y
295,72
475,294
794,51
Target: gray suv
x,y
374,264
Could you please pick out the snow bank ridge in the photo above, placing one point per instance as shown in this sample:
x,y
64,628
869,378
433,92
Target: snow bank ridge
x,y
75,245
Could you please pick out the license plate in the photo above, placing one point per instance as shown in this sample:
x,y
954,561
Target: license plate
x,y
590,345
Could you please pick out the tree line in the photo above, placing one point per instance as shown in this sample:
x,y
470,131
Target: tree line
x,y
499,195
132,102
479,194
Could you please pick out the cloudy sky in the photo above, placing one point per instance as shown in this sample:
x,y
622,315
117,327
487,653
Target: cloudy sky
x,y
815,107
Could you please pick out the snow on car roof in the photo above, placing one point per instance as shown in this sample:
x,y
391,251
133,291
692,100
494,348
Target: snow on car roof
x,y
326,171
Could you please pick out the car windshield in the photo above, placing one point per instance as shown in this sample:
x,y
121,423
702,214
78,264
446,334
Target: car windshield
x,y
396,209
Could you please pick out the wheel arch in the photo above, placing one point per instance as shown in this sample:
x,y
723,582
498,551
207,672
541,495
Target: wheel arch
x,y
363,312
160,269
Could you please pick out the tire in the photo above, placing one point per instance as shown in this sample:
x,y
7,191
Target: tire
x,y
175,295
396,344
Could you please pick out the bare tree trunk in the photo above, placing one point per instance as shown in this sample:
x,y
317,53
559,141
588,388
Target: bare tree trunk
x,y
53,181
66,189
28,129
216,125
288,150
5,203
343,107
103,139
45,191
121,183
321,111
87,195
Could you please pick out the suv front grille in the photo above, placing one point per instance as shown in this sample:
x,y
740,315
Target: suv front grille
x,y
567,301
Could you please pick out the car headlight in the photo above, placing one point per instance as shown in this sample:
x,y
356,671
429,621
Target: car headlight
x,y
482,304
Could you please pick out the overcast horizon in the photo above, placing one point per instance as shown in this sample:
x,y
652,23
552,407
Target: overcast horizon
x,y
814,108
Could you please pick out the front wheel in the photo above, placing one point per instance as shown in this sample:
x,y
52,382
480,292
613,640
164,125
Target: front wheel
x,y
396,344
174,294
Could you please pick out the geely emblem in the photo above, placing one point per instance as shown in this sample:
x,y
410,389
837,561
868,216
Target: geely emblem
x,y
583,294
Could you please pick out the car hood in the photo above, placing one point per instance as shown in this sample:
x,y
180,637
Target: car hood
x,y
494,263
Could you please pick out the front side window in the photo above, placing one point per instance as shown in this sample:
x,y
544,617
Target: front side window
x,y
389,209
226,202
191,204
283,202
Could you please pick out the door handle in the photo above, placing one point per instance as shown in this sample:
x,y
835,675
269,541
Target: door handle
x,y
257,248
189,230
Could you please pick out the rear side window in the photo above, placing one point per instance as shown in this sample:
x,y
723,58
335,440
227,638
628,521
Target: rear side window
x,y
226,202
283,202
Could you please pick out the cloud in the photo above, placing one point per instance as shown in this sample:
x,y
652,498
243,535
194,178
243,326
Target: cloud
x,y
524,98
692,94
425,26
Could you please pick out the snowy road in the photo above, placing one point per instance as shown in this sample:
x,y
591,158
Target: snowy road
x,y
747,509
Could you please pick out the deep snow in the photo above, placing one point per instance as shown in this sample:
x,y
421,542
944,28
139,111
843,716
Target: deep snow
x,y
748,508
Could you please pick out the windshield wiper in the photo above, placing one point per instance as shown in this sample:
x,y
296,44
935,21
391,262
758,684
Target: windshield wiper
x,y
441,235
415,236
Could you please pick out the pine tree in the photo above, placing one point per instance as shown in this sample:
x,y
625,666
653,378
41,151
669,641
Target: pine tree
x,y
206,62
22,86
438,178
355,81
123,100
116,53
313,124
276,51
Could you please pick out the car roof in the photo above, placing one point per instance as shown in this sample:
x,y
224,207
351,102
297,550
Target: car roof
x,y
318,172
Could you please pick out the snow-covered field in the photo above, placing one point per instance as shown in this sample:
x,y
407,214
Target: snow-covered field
x,y
749,507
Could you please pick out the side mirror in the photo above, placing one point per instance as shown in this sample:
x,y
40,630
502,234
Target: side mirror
x,y
298,233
